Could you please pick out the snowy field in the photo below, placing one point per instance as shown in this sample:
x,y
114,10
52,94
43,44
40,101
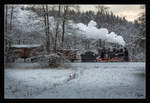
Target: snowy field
x,y
81,80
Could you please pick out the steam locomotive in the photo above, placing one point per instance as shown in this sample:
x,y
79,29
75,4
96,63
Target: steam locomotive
x,y
106,55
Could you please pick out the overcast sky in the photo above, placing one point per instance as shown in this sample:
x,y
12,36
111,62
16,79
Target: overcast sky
x,y
131,12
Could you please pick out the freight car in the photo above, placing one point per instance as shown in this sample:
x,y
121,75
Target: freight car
x,y
33,51
69,54
25,51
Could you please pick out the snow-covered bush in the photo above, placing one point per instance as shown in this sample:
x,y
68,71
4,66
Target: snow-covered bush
x,y
52,60
140,57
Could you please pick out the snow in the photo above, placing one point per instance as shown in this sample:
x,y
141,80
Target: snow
x,y
82,80
91,31
26,46
25,20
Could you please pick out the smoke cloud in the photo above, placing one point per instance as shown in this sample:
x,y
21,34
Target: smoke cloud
x,y
91,31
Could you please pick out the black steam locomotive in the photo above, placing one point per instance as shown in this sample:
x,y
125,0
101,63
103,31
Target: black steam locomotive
x,y
106,55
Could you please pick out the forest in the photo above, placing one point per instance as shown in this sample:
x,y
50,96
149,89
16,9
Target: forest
x,y
60,51
54,26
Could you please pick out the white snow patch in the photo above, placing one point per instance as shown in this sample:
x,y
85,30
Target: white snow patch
x,y
26,82
26,46
91,80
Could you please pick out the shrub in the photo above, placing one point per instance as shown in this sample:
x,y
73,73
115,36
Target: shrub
x,y
52,60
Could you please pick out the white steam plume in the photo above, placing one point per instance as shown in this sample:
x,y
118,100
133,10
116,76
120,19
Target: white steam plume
x,y
91,31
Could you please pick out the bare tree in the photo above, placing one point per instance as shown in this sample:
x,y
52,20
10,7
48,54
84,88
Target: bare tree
x,y
66,8
101,8
57,27
142,22
46,22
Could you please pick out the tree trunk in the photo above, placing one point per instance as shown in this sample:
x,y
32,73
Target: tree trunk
x,y
45,25
63,32
6,19
100,44
57,27
48,30
5,38
63,25
11,18
46,22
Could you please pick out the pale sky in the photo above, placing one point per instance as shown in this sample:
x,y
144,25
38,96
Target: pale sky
x,y
130,12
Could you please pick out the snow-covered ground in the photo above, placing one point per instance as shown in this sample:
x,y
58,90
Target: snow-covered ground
x,y
81,80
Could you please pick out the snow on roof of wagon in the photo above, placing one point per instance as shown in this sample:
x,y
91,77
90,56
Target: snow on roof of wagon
x,y
26,46
71,49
